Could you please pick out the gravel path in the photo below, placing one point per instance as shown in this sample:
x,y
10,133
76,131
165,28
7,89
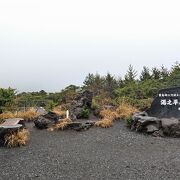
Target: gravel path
x,y
114,153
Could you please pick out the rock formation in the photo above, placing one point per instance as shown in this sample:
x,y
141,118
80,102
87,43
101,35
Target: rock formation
x,y
82,101
47,120
141,122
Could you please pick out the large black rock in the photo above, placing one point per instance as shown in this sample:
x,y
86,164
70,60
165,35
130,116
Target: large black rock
x,y
141,122
47,120
166,104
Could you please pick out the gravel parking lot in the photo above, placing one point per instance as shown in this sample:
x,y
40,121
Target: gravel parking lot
x,y
114,153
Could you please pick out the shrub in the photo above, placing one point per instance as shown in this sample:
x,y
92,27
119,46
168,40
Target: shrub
x,y
129,121
85,113
94,104
16,139
51,105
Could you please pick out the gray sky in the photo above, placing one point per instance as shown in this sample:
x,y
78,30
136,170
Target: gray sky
x,y
51,44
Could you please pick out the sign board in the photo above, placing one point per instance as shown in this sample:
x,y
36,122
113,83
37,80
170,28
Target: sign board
x,y
166,104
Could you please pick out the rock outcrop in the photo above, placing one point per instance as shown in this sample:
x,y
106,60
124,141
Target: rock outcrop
x,y
141,122
80,126
46,121
82,101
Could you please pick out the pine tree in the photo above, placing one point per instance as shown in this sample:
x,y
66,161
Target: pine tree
x,y
164,72
130,75
145,74
174,79
110,84
156,73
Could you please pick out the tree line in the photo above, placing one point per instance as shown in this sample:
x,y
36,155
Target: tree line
x,y
108,89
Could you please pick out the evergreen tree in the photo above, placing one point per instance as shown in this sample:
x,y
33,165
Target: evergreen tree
x,y
164,72
7,97
110,84
130,75
145,74
156,73
174,79
95,83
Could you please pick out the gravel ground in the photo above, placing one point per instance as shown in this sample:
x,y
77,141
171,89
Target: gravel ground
x,y
114,153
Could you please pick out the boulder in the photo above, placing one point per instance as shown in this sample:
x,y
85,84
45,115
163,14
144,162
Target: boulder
x,y
82,101
161,127
52,116
80,126
41,111
43,123
142,122
171,127
47,120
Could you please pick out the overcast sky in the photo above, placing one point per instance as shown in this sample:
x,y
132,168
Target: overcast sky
x,y
49,44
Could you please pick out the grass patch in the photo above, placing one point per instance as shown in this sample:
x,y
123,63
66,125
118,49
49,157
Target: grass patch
x,y
104,123
28,115
60,125
124,111
17,139
59,111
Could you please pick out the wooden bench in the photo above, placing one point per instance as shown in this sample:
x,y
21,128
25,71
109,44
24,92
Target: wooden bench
x,y
11,123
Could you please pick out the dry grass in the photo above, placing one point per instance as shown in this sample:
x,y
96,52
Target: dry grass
x,y
59,111
28,115
61,125
108,114
104,123
124,111
16,139
6,115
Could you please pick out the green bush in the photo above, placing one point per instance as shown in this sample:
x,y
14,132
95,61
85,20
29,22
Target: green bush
x,y
85,113
94,105
129,121
51,105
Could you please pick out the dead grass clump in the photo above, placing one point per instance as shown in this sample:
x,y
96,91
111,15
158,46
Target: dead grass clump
x,y
16,139
28,115
59,111
6,115
125,111
60,125
108,114
104,123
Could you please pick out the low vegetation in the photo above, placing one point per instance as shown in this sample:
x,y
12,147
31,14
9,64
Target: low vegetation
x,y
28,115
107,90
104,123
17,139
61,125
123,111
59,111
